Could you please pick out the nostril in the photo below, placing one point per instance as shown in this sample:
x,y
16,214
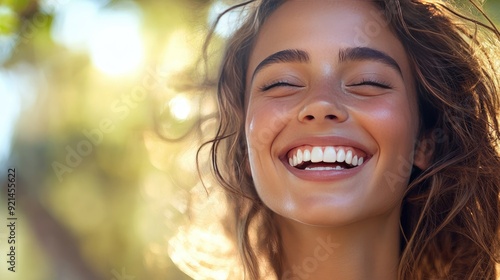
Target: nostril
x,y
330,117
309,117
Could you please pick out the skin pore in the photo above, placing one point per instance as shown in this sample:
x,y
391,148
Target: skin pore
x,y
314,86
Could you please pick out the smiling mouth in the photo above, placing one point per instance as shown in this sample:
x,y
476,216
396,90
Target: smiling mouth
x,y
319,158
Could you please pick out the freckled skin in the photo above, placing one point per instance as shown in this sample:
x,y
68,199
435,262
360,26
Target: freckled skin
x,y
326,97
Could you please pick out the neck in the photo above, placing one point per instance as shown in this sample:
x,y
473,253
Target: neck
x,y
364,250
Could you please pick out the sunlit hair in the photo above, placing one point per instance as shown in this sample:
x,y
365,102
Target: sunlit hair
x,y
450,213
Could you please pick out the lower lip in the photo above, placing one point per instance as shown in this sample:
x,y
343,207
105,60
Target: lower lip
x,y
324,175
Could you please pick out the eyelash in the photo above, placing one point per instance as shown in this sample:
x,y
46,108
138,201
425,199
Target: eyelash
x,y
274,84
374,83
364,82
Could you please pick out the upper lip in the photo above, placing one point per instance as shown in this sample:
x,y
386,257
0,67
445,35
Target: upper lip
x,y
323,141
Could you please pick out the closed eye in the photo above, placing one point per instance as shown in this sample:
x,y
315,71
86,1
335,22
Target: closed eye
x,y
372,83
277,84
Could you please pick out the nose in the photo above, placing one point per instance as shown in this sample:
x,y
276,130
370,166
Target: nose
x,y
321,108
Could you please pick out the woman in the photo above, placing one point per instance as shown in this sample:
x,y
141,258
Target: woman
x,y
358,140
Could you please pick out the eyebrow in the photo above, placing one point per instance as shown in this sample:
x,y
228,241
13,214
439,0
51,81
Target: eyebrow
x,y
285,56
345,55
364,53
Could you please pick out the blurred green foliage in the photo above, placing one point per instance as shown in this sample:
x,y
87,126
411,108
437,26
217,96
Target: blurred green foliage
x,y
105,157
99,192
8,21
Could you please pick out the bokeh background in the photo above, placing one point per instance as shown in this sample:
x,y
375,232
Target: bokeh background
x,y
103,104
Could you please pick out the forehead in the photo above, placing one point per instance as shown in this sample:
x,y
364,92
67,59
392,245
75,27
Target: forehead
x,y
322,27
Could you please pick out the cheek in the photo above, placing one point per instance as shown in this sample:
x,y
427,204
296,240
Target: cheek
x,y
400,127
394,127
264,121
391,122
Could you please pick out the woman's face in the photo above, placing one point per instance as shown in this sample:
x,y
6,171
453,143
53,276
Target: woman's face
x,y
332,117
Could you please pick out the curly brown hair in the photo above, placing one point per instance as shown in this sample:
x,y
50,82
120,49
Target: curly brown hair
x,y
450,212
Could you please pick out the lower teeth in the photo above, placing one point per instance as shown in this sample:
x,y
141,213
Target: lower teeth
x,y
321,168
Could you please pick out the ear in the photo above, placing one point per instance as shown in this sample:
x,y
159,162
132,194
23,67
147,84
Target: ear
x,y
424,149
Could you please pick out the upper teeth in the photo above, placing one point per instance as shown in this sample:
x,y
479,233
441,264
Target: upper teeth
x,y
324,154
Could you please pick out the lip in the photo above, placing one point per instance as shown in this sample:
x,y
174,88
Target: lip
x,y
324,175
